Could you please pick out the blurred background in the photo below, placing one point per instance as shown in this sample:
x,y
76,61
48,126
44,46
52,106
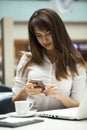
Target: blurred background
x,y
14,15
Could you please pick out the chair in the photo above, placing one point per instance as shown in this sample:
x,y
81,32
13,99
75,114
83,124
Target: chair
x,y
6,104
4,88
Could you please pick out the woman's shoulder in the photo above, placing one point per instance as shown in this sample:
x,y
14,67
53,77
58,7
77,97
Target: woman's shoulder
x,y
25,56
81,69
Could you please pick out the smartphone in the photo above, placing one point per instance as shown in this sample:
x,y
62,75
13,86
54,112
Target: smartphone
x,y
38,83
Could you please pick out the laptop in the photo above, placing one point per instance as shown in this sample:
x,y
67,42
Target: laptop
x,y
76,113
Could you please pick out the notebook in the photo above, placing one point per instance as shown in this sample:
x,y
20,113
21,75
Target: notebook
x,y
76,113
16,122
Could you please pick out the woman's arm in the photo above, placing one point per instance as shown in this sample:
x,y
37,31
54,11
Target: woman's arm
x,y
76,92
27,90
19,96
60,96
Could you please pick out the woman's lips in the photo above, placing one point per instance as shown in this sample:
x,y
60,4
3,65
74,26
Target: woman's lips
x,y
47,45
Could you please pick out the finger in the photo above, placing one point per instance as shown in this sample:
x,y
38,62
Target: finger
x,y
50,89
32,92
50,92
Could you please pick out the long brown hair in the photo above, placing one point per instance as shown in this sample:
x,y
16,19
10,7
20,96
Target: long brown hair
x,y
66,54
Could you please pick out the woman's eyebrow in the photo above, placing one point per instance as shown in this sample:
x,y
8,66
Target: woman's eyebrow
x,y
37,33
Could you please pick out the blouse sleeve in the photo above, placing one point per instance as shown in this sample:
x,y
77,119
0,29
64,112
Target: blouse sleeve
x,y
79,84
19,81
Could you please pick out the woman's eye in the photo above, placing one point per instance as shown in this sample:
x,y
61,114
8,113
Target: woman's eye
x,y
38,36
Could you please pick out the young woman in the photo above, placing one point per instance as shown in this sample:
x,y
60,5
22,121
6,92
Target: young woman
x,y
54,60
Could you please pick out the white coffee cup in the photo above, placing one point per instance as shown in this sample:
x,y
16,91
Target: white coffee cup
x,y
23,106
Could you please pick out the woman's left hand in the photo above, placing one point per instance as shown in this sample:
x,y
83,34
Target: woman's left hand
x,y
53,91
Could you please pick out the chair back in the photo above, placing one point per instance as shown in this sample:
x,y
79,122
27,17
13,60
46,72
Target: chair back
x,y
4,88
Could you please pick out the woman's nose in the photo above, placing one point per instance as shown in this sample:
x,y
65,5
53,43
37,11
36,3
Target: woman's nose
x,y
44,39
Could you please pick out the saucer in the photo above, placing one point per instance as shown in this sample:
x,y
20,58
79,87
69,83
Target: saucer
x,y
29,114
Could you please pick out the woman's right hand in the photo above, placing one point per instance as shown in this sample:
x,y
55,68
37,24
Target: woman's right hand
x,y
29,89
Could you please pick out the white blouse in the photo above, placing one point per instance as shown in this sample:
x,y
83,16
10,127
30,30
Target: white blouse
x,y
70,87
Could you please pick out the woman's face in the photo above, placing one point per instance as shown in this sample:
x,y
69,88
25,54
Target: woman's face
x,y
44,38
